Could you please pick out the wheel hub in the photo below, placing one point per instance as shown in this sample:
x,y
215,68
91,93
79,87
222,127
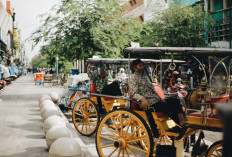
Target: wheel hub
x,y
121,143
85,117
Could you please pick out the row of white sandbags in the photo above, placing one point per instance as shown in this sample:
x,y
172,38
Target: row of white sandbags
x,y
58,136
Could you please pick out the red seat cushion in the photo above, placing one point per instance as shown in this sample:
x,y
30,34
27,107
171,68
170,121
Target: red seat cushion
x,y
107,98
209,114
213,116
161,115
220,98
198,113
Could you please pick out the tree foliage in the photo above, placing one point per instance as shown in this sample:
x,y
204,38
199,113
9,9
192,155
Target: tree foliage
x,y
179,26
39,61
80,29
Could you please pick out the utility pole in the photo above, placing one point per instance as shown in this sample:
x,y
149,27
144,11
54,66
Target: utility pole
x,y
56,64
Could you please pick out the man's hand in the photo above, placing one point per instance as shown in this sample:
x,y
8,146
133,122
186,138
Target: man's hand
x,y
144,104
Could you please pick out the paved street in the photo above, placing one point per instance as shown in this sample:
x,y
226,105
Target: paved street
x,y
21,129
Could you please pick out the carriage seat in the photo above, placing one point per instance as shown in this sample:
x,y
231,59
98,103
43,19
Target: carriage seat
x,y
209,114
135,107
221,98
112,89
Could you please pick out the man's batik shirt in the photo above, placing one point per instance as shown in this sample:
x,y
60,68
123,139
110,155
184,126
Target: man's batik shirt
x,y
141,87
98,81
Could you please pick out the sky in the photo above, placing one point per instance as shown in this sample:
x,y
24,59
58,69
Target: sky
x,y
27,19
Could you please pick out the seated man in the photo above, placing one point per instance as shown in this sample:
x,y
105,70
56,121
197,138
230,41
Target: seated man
x,y
143,91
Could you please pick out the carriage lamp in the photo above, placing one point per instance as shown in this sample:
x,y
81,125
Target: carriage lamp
x,y
203,99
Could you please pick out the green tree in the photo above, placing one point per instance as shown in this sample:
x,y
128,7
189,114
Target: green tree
x,y
179,26
39,61
80,29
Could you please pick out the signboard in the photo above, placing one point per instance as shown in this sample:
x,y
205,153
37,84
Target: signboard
x,y
135,45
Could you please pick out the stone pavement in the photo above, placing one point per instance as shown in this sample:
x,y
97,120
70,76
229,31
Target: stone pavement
x,y
21,127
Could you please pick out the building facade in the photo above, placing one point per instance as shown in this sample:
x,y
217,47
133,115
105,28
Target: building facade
x,y
11,51
221,11
144,10
6,33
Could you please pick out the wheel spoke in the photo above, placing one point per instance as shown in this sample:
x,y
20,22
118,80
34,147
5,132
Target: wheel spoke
x,y
127,154
77,119
168,139
91,109
131,151
119,151
93,115
128,126
79,123
106,146
156,143
83,126
121,121
133,132
89,126
78,114
107,138
218,154
112,132
86,129
91,123
80,109
92,120
164,140
137,148
112,152
87,107
123,152
114,125
137,139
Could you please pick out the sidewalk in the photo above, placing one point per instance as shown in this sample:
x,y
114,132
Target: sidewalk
x,y
21,127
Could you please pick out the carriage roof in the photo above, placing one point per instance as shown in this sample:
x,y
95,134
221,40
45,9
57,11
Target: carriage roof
x,y
125,61
154,52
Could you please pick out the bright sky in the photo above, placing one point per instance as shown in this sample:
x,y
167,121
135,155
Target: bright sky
x,y
27,12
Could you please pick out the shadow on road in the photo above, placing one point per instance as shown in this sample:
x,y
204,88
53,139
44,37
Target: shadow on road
x,y
33,152
23,97
38,128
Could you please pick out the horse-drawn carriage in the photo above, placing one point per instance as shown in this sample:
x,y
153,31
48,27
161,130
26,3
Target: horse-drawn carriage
x,y
87,111
126,132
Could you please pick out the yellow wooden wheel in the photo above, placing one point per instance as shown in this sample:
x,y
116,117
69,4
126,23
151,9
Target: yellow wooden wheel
x,y
115,138
215,150
161,140
85,116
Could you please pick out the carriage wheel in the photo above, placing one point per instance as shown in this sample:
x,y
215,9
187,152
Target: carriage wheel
x,y
115,138
85,116
161,140
215,150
